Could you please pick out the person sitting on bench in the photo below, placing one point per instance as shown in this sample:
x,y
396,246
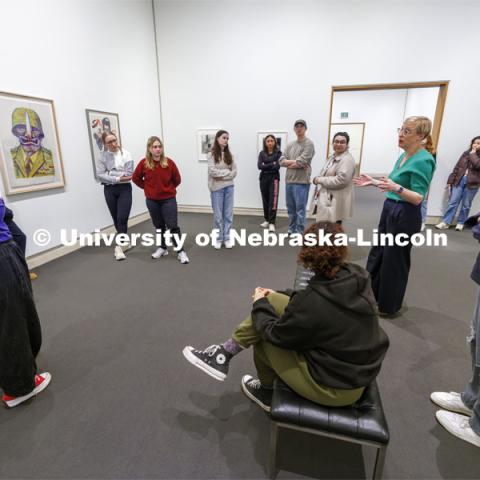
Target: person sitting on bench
x,y
324,342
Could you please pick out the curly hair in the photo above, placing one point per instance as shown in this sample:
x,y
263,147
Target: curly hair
x,y
324,260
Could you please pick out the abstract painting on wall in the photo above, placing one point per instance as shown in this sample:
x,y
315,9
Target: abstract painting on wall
x,y
99,123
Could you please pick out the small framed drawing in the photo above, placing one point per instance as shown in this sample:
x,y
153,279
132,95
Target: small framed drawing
x,y
356,132
30,156
280,136
205,139
99,122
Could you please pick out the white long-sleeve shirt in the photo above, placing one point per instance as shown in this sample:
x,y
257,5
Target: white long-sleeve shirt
x,y
111,166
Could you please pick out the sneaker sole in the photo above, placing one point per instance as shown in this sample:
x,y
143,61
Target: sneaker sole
x,y
254,399
447,407
187,353
33,393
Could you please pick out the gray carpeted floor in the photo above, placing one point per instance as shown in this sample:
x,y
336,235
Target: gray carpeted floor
x,y
123,402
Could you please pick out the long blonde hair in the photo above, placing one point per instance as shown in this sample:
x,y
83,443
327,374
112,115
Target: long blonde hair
x,y
149,161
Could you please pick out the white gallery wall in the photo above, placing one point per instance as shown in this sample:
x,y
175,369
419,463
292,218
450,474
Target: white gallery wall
x,y
243,65
382,112
97,54
251,66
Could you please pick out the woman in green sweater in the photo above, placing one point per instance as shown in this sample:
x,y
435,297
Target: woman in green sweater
x,y
405,188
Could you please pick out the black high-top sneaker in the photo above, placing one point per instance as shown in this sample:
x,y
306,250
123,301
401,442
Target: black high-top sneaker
x,y
256,392
213,360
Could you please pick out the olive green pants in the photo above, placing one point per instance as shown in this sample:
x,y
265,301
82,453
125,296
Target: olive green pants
x,y
290,366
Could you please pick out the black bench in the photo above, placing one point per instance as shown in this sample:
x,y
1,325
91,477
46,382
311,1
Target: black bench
x,y
363,422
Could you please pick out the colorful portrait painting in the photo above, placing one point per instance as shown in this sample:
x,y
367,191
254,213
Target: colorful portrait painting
x,y
30,156
98,123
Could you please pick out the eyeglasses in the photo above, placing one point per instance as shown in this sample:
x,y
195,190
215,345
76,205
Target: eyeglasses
x,y
405,131
340,142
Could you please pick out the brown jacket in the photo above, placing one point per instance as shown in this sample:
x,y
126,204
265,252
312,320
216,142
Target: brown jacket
x,y
470,161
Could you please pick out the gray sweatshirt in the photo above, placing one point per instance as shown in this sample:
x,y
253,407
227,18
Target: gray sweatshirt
x,y
302,152
220,175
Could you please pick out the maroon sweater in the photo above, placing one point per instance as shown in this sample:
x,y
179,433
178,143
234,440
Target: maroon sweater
x,y
158,183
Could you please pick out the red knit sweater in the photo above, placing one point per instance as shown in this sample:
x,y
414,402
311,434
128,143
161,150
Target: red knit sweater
x,y
158,183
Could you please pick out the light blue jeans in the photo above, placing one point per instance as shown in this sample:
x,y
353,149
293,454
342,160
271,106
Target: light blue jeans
x,y
297,198
424,210
222,204
462,194
471,395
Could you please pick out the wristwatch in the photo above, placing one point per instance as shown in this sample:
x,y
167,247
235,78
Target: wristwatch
x,y
400,190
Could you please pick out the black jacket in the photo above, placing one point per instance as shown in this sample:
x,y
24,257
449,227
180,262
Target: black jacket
x,y
333,324
269,163
475,275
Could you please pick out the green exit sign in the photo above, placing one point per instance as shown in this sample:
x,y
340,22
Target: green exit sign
x,y
343,115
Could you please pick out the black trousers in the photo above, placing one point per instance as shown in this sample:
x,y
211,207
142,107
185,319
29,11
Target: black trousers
x,y
164,215
18,236
389,266
119,202
20,332
269,183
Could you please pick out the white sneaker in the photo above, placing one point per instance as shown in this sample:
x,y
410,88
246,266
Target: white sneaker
x,y
217,245
458,425
264,224
459,227
442,226
228,244
182,257
160,252
451,401
271,227
119,255
41,383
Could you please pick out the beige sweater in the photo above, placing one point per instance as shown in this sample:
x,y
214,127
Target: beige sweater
x,y
302,152
220,175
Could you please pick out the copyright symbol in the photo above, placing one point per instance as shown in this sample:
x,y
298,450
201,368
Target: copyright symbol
x,y
41,237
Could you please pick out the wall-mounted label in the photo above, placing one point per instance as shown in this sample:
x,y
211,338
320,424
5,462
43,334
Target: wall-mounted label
x,y
343,115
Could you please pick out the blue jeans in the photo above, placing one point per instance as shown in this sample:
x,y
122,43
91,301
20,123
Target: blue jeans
x,y
297,198
424,210
462,194
222,204
471,395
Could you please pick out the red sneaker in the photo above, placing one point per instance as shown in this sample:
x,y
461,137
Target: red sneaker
x,y
41,383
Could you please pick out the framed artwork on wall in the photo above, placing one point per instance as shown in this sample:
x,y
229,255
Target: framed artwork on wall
x,y
205,139
30,156
356,132
280,136
99,122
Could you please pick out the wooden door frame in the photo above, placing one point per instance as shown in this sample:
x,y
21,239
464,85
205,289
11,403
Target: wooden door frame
x,y
441,100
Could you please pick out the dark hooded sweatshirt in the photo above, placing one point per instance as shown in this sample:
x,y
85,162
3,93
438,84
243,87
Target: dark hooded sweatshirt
x,y
333,324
